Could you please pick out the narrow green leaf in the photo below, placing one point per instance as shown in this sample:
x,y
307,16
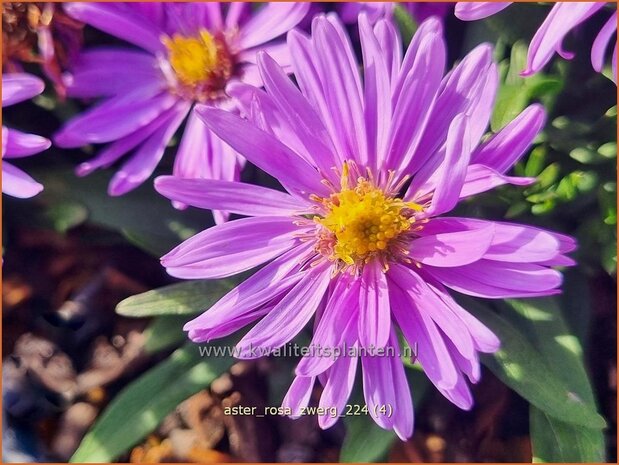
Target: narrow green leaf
x,y
142,215
554,440
520,366
66,215
406,24
559,442
142,405
164,332
187,298
365,441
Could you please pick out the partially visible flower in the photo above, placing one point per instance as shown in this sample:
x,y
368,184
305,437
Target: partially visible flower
x,y
189,52
420,11
548,39
360,240
17,87
39,32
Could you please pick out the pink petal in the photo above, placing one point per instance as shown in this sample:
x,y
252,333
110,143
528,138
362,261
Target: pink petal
x,y
301,117
17,87
453,170
142,164
499,280
416,87
271,21
598,51
480,178
119,21
260,289
506,147
115,118
298,395
377,96
19,144
447,249
374,313
419,329
341,85
234,197
470,11
341,379
18,184
263,150
563,17
232,248
290,315
337,324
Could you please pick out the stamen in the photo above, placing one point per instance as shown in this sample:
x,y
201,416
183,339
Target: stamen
x,y
363,222
202,64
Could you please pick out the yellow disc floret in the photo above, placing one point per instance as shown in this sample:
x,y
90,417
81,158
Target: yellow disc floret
x,y
363,221
201,63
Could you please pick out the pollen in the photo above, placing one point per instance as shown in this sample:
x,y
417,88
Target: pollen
x,y
202,63
362,221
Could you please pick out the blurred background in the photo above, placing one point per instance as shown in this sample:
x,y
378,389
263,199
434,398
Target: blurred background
x,y
73,253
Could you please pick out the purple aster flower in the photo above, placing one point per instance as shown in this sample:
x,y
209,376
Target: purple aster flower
x,y
421,11
17,87
548,39
189,52
37,32
359,239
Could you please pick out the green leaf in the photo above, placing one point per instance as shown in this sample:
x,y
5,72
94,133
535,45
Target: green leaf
x,y
406,24
164,332
143,216
556,441
142,405
365,441
66,215
187,298
535,162
511,100
520,366
608,150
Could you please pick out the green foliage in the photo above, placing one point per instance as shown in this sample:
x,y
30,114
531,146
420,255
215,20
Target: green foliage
x,y
142,405
524,369
142,216
406,24
543,361
164,332
367,442
187,298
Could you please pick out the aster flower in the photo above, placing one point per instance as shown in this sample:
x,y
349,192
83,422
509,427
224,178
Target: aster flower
x,y
420,11
548,39
17,87
359,239
189,52
39,32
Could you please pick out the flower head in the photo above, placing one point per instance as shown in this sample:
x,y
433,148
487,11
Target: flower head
x,y
548,39
17,87
358,239
37,32
187,54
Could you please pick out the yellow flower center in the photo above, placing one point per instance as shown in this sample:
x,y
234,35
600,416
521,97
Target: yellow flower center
x,y
363,221
202,63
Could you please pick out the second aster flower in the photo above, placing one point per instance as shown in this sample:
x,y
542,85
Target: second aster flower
x,y
359,239
548,40
187,54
